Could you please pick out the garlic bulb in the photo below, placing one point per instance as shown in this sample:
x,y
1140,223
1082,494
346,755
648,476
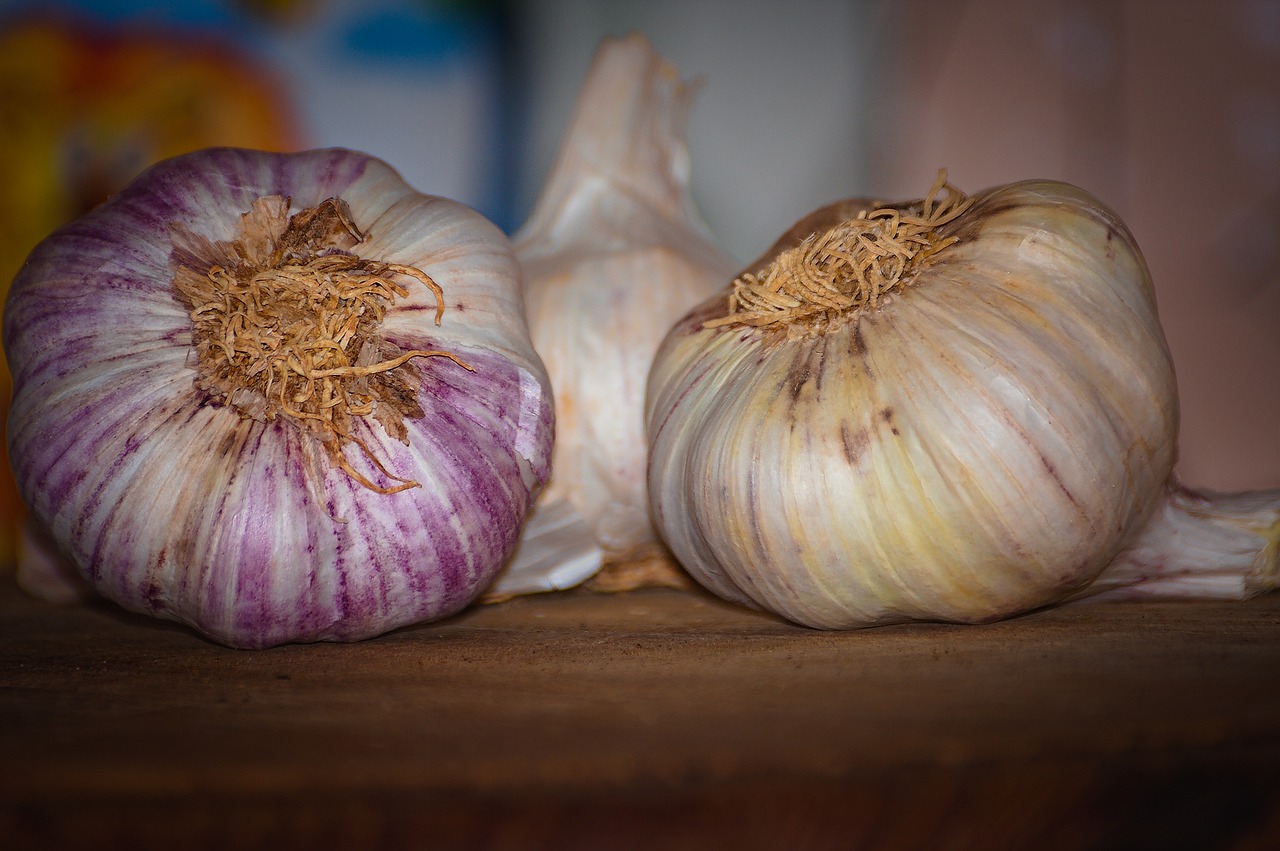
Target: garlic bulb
x,y
278,397
955,409
612,254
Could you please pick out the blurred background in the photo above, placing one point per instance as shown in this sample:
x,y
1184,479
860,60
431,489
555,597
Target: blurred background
x,y
1169,112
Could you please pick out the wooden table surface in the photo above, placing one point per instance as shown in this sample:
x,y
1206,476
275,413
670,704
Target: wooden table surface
x,y
651,719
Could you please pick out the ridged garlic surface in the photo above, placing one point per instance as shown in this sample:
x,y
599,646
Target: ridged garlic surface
x,y
277,397
955,409
613,253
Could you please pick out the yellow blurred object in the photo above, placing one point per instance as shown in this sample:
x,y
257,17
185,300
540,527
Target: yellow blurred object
x,y
86,108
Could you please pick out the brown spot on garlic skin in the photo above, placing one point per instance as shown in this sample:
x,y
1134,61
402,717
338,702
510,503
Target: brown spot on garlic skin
x,y
818,360
807,364
1110,250
854,443
859,349
857,344
797,377
887,416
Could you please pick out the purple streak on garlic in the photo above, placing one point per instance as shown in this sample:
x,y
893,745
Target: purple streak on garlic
x,y
954,409
178,504
612,254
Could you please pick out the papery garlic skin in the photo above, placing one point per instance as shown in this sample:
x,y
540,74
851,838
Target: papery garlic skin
x,y
175,505
983,442
1199,544
612,254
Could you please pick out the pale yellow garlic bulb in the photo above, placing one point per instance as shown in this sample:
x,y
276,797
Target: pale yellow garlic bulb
x,y
613,254
958,409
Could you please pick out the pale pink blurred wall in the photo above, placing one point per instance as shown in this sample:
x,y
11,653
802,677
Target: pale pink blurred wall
x,y
1168,110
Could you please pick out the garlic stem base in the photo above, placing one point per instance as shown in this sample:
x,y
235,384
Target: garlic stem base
x,y
1200,545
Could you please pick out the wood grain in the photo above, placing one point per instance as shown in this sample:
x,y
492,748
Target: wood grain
x,y
655,718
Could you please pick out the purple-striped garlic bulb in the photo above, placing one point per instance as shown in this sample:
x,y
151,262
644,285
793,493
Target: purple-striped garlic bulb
x,y
278,397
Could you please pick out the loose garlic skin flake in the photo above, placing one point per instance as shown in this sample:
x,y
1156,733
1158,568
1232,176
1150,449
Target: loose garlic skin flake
x,y
270,513
983,435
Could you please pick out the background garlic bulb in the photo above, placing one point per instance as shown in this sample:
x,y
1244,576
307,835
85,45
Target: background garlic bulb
x,y
612,254
278,397
957,409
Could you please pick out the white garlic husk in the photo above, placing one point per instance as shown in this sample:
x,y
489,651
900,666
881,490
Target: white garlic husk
x,y
957,409
277,397
613,253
